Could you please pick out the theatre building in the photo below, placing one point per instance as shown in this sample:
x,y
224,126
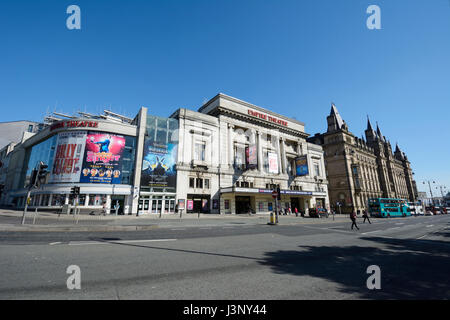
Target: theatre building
x,y
95,153
232,154
226,158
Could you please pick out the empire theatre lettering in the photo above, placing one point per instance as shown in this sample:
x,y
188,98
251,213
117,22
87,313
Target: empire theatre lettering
x,y
267,117
74,124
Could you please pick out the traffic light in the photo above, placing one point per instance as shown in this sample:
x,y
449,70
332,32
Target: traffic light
x,y
75,190
33,178
42,173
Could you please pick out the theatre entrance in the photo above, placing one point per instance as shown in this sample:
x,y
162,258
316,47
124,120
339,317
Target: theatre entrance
x,y
243,205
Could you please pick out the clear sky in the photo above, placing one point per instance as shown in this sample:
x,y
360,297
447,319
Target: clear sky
x,y
291,56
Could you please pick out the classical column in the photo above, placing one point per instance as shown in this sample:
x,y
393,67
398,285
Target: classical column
x,y
259,151
278,147
230,145
283,156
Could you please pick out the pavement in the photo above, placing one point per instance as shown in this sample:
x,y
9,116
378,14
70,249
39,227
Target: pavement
x,y
10,220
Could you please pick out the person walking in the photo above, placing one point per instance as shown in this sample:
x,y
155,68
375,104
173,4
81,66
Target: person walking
x,y
366,216
353,218
296,211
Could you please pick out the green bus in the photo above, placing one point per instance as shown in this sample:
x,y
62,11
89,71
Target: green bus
x,y
388,207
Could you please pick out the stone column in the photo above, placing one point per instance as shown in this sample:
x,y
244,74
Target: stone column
x,y
230,145
283,156
259,148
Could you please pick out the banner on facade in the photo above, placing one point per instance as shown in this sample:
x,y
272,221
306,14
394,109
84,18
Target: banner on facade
x,y
158,168
68,158
273,162
301,166
103,158
251,157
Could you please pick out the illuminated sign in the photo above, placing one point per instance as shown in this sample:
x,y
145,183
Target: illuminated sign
x,y
74,124
267,117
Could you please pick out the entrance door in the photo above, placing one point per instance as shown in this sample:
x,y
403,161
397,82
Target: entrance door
x,y
118,200
243,205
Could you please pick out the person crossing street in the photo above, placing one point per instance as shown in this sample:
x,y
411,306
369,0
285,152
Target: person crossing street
x,y
366,216
353,218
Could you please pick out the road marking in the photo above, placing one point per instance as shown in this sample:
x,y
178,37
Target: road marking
x,y
422,236
178,229
205,228
82,243
371,232
430,225
53,243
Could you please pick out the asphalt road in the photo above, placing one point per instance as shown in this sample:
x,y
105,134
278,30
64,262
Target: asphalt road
x,y
309,261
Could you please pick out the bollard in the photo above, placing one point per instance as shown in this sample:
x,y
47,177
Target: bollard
x,y
272,219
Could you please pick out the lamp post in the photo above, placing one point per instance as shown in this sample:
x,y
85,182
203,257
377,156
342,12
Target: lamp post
x,y
442,192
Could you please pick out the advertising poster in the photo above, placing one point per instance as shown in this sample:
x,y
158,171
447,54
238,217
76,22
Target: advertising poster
x,y
180,204
273,162
190,204
68,159
103,158
158,167
301,166
251,157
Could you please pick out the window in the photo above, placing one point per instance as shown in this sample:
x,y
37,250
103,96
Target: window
x,y
227,204
206,183
30,128
316,170
199,183
239,157
191,182
199,152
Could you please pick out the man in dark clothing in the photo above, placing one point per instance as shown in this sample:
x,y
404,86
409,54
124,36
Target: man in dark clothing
x,y
353,218
366,216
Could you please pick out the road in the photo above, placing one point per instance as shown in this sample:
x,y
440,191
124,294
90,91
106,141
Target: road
x,y
297,261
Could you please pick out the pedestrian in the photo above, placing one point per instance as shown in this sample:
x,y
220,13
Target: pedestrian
x,y
366,216
104,209
353,218
296,211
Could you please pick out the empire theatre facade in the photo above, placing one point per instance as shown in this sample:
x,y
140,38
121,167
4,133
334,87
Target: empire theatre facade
x,y
232,155
226,158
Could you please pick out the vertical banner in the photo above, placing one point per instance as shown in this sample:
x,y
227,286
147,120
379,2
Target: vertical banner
x,y
68,159
103,158
251,156
301,166
273,162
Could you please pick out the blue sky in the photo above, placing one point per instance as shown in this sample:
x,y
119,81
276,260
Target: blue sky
x,y
293,57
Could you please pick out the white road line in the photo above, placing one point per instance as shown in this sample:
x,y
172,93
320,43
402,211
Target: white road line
x,y
82,243
430,225
422,236
178,229
371,231
53,243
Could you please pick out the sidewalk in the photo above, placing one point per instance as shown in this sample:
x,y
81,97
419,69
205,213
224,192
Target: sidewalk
x,y
10,220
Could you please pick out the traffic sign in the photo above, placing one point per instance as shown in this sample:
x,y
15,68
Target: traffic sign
x,y
274,194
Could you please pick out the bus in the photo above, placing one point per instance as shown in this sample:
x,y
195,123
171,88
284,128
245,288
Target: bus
x,y
388,207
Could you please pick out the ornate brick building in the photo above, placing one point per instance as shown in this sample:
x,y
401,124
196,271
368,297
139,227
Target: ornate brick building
x,y
358,168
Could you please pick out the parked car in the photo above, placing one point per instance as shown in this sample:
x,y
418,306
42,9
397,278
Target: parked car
x,y
318,213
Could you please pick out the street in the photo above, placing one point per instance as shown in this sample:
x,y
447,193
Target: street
x,y
324,260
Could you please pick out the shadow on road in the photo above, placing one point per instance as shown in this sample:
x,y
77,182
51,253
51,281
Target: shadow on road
x,y
410,269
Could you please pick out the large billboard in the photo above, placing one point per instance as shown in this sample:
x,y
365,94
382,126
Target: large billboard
x,y
103,158
158,167
301,166
68,158
273,162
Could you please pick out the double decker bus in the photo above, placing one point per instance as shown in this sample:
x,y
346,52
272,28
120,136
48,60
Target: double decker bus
x,y
388,207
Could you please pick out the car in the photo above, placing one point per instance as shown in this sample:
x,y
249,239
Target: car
x,y
318,213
